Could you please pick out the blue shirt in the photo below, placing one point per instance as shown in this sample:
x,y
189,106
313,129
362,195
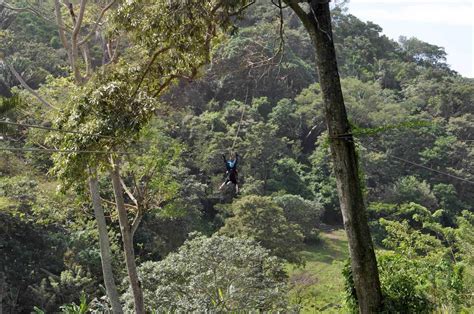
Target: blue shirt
x,y
230,164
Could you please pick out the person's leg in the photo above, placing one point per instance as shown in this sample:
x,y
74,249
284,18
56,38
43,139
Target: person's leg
x,y
224,183
233,178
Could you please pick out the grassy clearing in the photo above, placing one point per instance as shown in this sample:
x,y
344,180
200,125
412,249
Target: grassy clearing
x,y
319,285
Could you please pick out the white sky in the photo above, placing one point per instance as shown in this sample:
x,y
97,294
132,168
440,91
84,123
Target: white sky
x,y
445,23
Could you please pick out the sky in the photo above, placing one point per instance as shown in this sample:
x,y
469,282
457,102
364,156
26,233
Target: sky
x,y
445,23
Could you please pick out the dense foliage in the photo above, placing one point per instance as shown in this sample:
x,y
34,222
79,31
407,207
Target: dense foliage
x,y
178,92
216,274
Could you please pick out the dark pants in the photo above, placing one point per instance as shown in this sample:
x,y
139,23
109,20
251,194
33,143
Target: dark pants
x,y
232,176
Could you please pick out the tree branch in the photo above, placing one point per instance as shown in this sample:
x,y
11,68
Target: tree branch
x,y
25,86
110,53
74,38
165,84
115,51
77,26
101,15
87,60
114,204
147,69
303,16
127,190
60,23
32,10
136,222
242,9
109,49
50,274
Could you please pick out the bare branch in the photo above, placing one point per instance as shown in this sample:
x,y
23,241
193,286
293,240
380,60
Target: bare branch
x,y
101,15
281,44
136,222
69,6
127,190
3,4
77,26
74,38
109,49
165,84
147,69
28,88
239,11
60,23
278,5
114,204
50,274
32,10
87,60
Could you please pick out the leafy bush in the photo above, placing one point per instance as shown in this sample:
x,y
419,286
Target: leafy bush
x,y
414,215
401,286
400,280
418,276
410,189
212,275
73,308
261,219
302,212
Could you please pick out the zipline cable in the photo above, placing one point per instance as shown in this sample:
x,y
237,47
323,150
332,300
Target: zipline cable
x,y
66,151
35,126
233,145
241,119
421,166
51,150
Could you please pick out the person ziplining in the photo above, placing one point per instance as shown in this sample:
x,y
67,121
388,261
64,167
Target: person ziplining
x,y
231,174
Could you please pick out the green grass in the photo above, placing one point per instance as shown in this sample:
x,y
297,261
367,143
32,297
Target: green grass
x,y
320,285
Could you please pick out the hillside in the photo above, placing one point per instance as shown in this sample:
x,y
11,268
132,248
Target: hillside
x,y
112,170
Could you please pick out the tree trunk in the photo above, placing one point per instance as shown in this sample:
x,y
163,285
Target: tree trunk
x,y
363,261
2,292
104,245
62,35
127,238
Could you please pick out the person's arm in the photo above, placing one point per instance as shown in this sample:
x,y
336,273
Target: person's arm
x,y
236,159
225,162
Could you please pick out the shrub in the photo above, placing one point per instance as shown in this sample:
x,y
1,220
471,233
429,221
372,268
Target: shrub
x,y
302,212
213,275
261,219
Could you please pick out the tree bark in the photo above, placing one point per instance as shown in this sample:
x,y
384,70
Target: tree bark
x,y
2,292
127,238
104,244
77,23
62,35
363,262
